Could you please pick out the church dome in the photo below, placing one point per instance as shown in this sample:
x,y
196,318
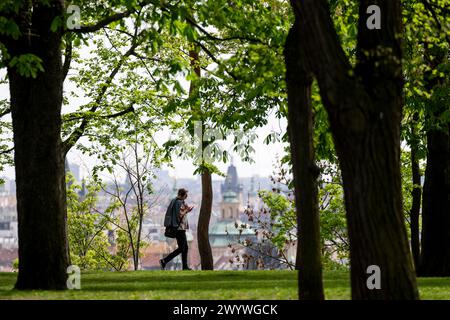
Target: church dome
x,y
230,196
228,227
224,233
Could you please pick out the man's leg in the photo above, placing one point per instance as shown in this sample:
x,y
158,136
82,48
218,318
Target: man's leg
x,y
177,251
184,251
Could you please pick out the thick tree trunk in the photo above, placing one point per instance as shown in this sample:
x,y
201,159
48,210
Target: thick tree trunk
x,y
371,174
435,259
39,163
364,105
204,217
300,128
414,212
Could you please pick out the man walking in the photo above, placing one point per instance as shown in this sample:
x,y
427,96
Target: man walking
x,y
176,217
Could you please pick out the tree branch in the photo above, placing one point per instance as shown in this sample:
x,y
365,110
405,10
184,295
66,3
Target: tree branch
x,y
67,58
5,112
103,23
77,133
108,116
321,51
6,151
213,57
433,13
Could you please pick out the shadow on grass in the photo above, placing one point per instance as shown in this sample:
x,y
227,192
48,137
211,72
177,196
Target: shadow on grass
x,y
197,280
163,281
203,285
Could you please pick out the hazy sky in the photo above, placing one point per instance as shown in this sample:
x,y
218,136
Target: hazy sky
x,y
264,156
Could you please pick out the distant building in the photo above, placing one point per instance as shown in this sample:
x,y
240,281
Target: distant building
x,y
9,241
231,182
8,222
229,229
230,206
8,187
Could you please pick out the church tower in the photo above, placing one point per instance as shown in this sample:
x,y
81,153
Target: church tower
x,y
230,206
231,181
231,195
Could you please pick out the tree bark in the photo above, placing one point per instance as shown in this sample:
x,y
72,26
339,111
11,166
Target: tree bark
x,y
39,162
305,171
364,105
204,247
414,212
435,259
204,217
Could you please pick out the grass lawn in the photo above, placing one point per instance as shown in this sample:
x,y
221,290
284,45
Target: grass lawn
x,y
202,285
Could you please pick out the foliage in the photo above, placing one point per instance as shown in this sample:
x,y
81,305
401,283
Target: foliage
x,y
108,238
15,264
276,222
427,68
87,228
407,183
333,225
27,65
133,199
275,226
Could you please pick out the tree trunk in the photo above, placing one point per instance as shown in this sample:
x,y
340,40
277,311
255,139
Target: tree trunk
x,y
435,259
39,162
371,175
136,254
305,172
364,105
414,213
204,217
138,243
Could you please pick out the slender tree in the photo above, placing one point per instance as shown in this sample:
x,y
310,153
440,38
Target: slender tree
x,y
204,247
414,212
435,255
305,171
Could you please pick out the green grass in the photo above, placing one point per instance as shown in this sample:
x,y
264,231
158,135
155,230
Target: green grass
x,y
202,285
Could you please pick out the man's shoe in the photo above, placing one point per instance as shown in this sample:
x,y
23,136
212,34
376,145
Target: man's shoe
x,y
187,268
162,264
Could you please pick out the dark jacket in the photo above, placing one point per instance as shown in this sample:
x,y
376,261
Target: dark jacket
x,y
171,218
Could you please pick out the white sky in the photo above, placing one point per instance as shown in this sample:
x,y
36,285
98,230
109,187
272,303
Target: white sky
x,y
264,156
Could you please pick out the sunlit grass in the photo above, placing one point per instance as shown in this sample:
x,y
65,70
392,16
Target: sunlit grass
x,y
202,285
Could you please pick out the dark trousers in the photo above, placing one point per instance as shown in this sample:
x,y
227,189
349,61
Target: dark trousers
x,y
182,248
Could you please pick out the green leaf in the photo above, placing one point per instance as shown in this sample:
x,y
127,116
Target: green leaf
x,y
56,24
9,28
27,65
